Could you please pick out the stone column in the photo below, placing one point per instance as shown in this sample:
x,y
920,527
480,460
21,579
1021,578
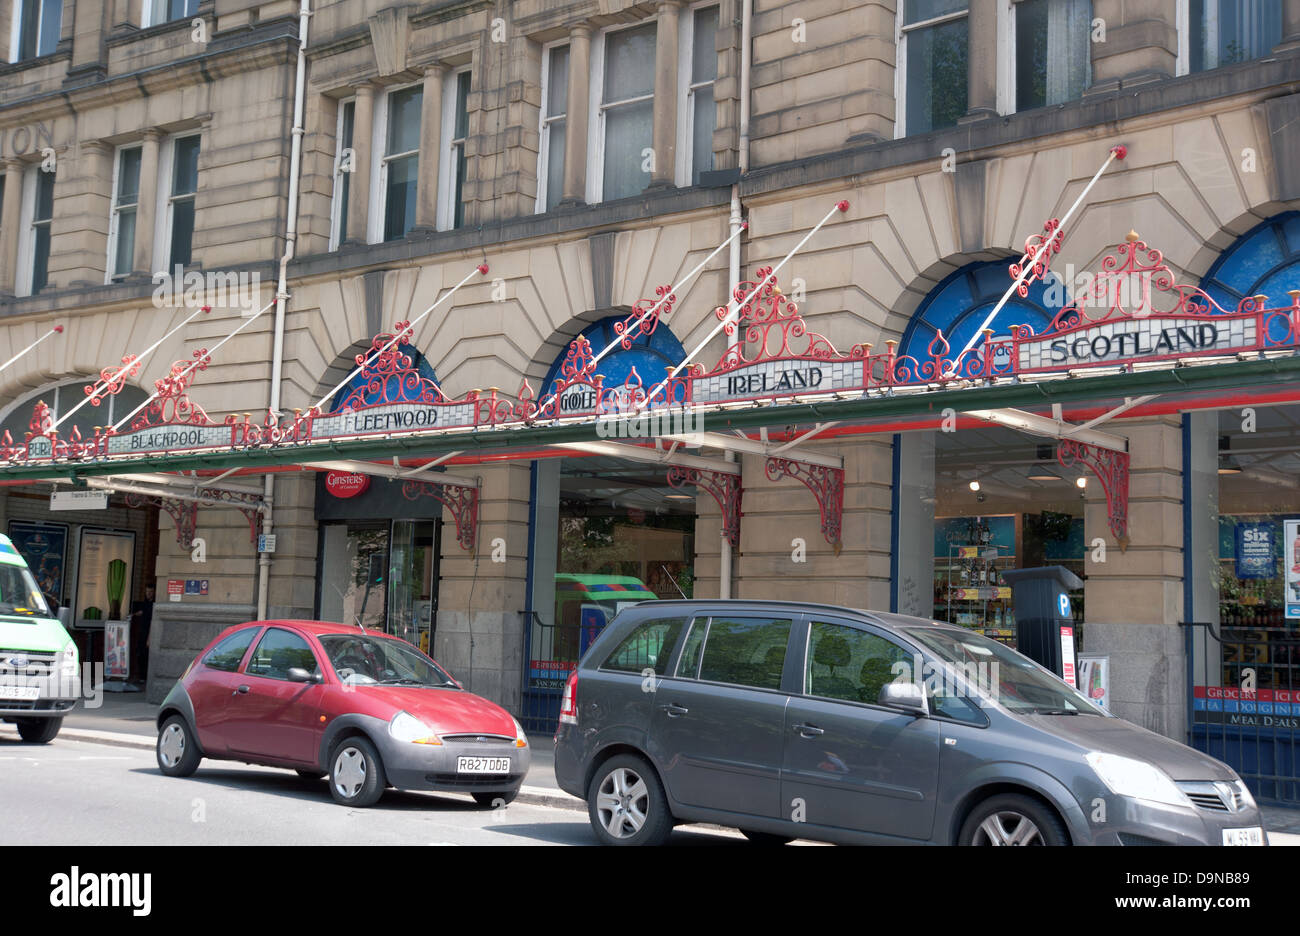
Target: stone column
x,y
575,139
145,214
981,61
363,119
426,206
1133,600
1290,26
10,221
1141,44
84,222
665,102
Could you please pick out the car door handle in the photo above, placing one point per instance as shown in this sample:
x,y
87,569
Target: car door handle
x,y
809,731
674,710
242,690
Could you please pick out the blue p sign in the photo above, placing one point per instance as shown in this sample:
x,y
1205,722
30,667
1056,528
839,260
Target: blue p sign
x,y
1063,602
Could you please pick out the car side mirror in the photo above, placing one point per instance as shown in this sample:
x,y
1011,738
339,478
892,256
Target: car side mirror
x,y
298,674
904,695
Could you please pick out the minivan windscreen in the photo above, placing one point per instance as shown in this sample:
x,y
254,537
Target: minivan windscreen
x,y
18,593
1012,680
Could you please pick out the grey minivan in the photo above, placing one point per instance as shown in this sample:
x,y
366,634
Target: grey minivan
x,y
791,720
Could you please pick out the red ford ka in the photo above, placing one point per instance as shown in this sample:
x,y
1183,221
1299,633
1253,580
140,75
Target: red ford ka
x,y
366,709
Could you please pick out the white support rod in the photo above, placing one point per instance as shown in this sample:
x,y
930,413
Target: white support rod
x,y
193,364
672,290
128,487
839,206
1046,427
1116,152
481,269
1127,405
100,384
182,482
427,466
56,330
653,456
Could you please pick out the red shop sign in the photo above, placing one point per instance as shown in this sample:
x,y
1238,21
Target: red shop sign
x,y
346,484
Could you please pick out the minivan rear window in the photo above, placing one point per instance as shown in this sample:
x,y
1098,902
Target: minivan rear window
x,y
648,646
746,651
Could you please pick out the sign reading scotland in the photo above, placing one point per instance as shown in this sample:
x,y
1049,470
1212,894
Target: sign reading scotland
x,y
1128,339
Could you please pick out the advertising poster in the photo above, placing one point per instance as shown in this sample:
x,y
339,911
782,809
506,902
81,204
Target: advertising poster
x,y
45,547
1094,679
1291,562
1253,550
117,649
104,570
1067,655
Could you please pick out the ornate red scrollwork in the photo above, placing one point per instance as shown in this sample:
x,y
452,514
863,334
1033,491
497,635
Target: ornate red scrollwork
x,y
112,379
173,405
773,329
1111,468
390,375
576,392
1052,236
638,323
826,484
461,501
726,490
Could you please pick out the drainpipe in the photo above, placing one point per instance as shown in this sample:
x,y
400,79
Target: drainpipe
x,y
282,289
733,271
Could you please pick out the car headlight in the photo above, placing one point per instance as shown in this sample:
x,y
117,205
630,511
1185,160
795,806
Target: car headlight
x,y
521,739
406,727
1247,800
68,661
1137,779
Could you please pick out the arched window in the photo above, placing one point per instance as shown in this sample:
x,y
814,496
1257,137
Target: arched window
x,y
959,304
370,386
61,398
650,355
1265,260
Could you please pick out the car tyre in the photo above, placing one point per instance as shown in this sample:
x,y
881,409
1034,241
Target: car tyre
x,y
765,838
495,800
177,749
1013,819
39,730
626,803
356,773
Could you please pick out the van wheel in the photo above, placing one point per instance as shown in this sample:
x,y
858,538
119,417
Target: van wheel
x,y
765,838
178,751
1012,819
627,805
357,775
39,730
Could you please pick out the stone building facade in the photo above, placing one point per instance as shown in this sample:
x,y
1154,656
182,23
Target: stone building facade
x,y
590,152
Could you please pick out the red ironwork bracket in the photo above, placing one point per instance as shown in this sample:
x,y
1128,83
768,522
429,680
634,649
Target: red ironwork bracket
x,y
185,514
827,485
1111,468
461,501
726,490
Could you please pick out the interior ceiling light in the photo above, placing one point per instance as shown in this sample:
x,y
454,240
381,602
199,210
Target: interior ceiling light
x,y
1081,482
1044,477
974,485
1229,466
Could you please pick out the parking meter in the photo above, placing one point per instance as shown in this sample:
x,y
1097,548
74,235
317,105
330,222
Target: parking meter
x,y
1044,618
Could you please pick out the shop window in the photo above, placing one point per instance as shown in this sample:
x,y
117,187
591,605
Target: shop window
x,y
959,304
698,115
181,194
37,220
354,573
1214,33
1263,261
932,72
1051,39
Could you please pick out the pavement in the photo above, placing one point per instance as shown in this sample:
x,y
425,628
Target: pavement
x,y
127,720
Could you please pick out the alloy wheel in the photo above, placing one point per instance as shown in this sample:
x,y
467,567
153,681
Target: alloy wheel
x,y
1008,828
622,802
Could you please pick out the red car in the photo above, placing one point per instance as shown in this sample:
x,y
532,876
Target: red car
x,y
366,709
